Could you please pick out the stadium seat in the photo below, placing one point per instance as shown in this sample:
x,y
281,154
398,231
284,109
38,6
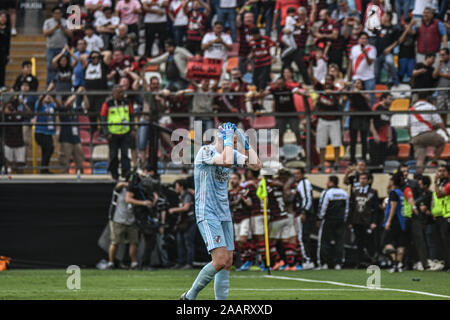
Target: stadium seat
x,y
84,119
100,153
403,151
401,94
291,151
152,68
85,137
329,154
390,166
347,137
400,105
101,167
399,120
402,135
380,87
295,164
97,140
232,63
264,122
299,103
86,168
87,152
446,153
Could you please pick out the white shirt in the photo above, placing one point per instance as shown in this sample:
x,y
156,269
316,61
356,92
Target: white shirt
x,y
94,43
102,21
228,4
372,19
153,17
417,127
290,23
419,6
180,18
217,50
363,70
320,70
105,3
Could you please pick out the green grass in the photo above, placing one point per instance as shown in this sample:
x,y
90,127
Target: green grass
x,y
169,284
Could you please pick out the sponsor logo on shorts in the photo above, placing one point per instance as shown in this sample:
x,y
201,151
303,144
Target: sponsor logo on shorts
x,y
217,239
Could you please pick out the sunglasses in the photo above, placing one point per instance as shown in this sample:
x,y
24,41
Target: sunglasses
x,y
95,57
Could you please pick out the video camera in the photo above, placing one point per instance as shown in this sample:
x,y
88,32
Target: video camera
x,y
145,185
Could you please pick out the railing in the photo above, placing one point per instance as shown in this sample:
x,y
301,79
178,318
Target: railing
x,y
307,115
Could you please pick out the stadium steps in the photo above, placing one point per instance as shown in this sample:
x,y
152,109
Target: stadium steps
x,y
24,47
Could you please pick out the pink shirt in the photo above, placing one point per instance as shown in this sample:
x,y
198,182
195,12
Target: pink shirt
x,y
126,11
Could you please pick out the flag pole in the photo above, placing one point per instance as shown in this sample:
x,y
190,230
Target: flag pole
x,y
266,236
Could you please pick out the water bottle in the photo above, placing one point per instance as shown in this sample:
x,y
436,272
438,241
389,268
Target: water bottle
x,y
78,174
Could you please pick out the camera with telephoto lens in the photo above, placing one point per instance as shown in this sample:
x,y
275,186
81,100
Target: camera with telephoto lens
x,y
144,185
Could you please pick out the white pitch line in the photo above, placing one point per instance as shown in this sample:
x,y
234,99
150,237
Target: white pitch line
x,y
358,286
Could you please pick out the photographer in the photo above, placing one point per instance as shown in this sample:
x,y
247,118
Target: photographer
x,y
141,195
122,223
185,226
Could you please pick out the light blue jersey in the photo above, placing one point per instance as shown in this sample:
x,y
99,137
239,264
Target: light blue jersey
x,y
211,185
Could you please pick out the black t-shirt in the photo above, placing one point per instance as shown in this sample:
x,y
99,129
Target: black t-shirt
x,y
327,103
172,72
424,80
358,102
30,79
382,120
408,46
284,101
386,37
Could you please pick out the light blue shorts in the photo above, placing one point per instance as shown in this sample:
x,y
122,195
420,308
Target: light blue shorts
x,y
217,234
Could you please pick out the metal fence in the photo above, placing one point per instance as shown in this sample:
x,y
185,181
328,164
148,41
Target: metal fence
x,y
156,128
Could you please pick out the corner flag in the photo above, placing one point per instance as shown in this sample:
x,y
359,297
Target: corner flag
x,y
261,192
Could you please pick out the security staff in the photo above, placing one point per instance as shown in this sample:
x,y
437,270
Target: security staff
x,y
442,189
363,217
333,211
117,111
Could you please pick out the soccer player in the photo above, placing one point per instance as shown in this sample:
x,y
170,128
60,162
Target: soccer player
x,y
211,174
240,206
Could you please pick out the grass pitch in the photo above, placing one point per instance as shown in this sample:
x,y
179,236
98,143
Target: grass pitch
x,y
170,284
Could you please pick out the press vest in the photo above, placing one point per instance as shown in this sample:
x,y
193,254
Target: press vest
x,y
446,203
438,206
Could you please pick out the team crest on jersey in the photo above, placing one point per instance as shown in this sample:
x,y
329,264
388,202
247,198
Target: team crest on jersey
x,y
222,174
217,239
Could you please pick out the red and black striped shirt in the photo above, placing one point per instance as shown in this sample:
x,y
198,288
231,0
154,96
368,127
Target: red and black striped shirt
x,y
244,38
238,211
350,42
196,25
250,192
275,201
328,28
301,34
261,51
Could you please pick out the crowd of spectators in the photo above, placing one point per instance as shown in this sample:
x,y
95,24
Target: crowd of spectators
x,y
283,48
